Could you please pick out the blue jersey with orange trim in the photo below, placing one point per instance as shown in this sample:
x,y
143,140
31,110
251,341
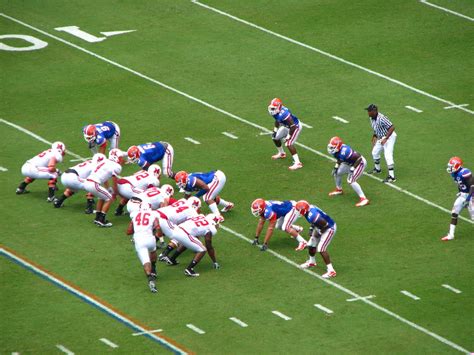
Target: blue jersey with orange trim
x,y
276,209
105,131
461,177
150,153
283,116
316,214
344,154
192,178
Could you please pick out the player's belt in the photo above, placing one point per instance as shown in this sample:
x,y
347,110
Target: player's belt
x,y
73,171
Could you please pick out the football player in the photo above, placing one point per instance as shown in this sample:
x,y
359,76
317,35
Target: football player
x,y
134,184
73,180
187,234
149,153
208,185
156,197
43,166
287,129
143,224
97,135
465,181
321,232
281,215
97,184
350,163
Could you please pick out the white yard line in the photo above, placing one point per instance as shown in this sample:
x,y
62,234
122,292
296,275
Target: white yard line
x,y
281,315
340,119
215,108
64,349
360,298
196,329
455,106
109,343
417,110
230,135
149,332
193,141
324,309
447,10
239,322
332,56
411,295
306,125
451,288
3,169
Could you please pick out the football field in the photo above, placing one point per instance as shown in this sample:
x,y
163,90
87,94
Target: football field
x,y
200,75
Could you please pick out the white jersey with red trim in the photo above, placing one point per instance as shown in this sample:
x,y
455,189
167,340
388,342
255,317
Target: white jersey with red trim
x,y
179,211
143,222
84,169
104,171
154,196
198,226
43,158
142,180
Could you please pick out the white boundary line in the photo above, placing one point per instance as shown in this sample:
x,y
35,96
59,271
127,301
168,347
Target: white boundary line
x,y
196,329
239,322
215,108
451,288
109,343
447,10
64,349
411,295
281,315
332,56
340,119
193,141
417,110
230,135
355,295
324,309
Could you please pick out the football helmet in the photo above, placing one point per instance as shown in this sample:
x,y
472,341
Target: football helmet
x,y
181,179
335,144
97,158
133,154
257,207
59,146
144,206
275,106
116,155
155,170
214,219
195,202
168,190
454,164
302,207
90,132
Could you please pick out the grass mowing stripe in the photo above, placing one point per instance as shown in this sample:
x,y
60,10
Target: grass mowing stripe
x,y
204,103
355,295
327,54
64,349
447,10
90,299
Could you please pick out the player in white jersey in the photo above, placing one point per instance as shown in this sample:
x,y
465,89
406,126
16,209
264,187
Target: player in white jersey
x,y
43,166
143,223
132,185
188,234
74,177
155,196
97,184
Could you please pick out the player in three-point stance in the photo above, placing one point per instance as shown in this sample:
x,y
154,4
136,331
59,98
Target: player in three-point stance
x,y
143,224
321,232
287,129
97,135
43,166
208,185
149,153
348,162
465,181
281,215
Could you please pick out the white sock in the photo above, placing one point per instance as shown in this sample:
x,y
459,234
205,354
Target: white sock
x,y
391,172
358,189
280,150
312,259
452,227
213,208
300,239
296,159
330,268
223,202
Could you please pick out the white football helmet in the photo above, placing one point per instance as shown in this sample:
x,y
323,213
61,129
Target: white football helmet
x,y
116,155
59,146
98,157
155,170
168,190
194,202
214,219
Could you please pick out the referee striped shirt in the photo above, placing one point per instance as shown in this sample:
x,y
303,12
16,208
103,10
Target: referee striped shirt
x,y
380,124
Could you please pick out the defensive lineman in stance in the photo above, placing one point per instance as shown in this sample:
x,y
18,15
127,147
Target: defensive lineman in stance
x,y
97,135
149,153
322,230
384,138
348,162
287,129
465,181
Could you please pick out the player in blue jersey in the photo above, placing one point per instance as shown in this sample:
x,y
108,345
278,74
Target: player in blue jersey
x,y
322,230
97,135
208,185
149,153
287,128
465,181
280,215
348,162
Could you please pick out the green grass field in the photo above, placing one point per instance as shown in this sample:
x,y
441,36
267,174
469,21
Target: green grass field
x,y
190,71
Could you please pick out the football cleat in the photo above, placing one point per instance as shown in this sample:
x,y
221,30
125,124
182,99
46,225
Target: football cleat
x,y
104,223
190,272
307,264
374,171
301,246
21,191
389,179
336,192
296,166
228,207
89,209
152,286
171,262
329,274
50,199
57,203
162,257
362,202
279,156
447,238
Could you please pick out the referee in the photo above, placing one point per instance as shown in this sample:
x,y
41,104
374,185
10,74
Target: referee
x,y
383,139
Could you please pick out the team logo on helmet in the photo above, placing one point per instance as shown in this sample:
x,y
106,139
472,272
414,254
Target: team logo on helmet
x,y
302,207
181,179
155,170
97,158
116,155
257,207
90,132
168,190
454,164
335,144
195,202
133,154
275,106
59,146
